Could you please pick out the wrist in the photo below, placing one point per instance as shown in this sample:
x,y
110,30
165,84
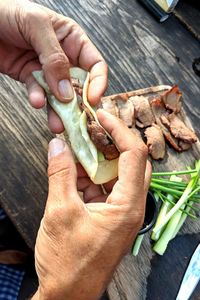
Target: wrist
x,y
70,296
83,288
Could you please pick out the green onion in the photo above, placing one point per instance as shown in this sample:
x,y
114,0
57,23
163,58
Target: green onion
x,y
173,173
183,199
166,206
178,197
137,244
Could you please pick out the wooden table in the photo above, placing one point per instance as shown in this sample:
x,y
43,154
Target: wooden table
x,y
140,52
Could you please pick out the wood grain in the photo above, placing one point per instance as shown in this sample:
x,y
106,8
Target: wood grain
x,y
187,12
140,53
159,283
23,139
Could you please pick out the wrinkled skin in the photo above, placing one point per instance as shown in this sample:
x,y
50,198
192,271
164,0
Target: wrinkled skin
x,y
34,37
80,243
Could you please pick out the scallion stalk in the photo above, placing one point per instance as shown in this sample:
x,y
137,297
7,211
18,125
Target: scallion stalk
x,y
174,173
183,199
137,244
178,198
166,206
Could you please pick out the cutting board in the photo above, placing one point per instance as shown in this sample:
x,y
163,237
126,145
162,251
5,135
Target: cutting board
x,y
149,276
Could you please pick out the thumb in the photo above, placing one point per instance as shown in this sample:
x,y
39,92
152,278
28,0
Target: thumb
x,y
62,176
54,61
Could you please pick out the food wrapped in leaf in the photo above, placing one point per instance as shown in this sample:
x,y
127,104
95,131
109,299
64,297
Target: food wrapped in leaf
x,y
90,143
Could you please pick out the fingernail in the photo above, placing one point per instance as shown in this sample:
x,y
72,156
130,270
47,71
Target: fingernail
x,y
56,146
65,89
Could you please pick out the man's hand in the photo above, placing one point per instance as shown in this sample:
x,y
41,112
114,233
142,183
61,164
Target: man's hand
x,y
34,37
81,241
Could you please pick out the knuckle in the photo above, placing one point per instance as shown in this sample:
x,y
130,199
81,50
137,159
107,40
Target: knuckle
x,y
139,151
52,223
58,58
71,21
20,17
129,218
58,173
55,216
115,126
34,14
134,218
75,27
62,209
61,217
142,150
57,61
28,17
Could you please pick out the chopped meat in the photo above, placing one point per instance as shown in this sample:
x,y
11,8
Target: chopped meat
x,y
172,140
126,111
99,136
110,106
184,146
76,82
172,99
159,110
178,129
77,86
143,111
155,141
102,141
165,120
122,96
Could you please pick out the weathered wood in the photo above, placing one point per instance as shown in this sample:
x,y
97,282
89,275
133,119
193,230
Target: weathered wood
x,y
140,53
160,281
130,279
187,12
23,139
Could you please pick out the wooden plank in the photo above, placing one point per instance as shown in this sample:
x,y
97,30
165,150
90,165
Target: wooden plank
x,y
140,53
23,139
187,13
131,277
158,288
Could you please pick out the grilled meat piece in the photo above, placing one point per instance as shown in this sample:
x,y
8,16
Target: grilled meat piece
x,y
110,106
102,142
77,86
120,107
178,129
126,111
143,112
99,137
184,146
155,141
172,99
97,134
159,110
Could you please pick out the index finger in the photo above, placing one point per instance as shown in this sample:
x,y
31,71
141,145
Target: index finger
x,y
132,161
83,53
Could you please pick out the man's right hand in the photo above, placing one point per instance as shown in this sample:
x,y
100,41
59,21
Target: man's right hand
x,y
81,242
